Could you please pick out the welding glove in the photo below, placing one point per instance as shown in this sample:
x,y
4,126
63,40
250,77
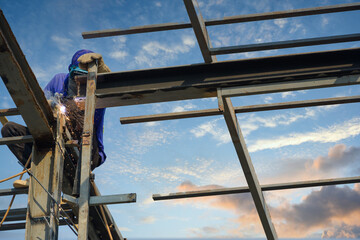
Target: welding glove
x,y
89,57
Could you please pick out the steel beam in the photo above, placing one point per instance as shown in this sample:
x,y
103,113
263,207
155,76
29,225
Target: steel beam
x,y
112,199
202,80
197,22
17,226
9,112
226,20
285,44
243,109
13,191
18,139
247,167
86,150
291,86
24,88
266,187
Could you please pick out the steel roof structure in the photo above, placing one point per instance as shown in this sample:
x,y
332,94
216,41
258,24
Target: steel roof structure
x,y
209,79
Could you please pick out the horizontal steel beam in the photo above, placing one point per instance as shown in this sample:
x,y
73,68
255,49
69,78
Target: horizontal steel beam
x,y
13,191
13,140
9,112
243,109
291,86
23,87
285,44
284,14
225,20
17,226
112,199
268,187
203,80
104,199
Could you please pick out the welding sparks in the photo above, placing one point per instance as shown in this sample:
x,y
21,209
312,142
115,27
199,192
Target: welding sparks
x,y
62,109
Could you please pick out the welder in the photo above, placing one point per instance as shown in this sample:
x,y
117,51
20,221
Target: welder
x,y
64,85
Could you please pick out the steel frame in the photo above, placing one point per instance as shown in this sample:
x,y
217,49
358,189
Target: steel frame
x,y
212,79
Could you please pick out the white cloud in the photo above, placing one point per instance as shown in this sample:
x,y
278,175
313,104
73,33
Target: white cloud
x,y
148,220
119,55
252,122
333,133
212,128
288,94
280,22
183,108
268,99
155,53
64,44
158,4
118,52
124,229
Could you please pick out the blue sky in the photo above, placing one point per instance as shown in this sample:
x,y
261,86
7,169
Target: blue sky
x,y
191,154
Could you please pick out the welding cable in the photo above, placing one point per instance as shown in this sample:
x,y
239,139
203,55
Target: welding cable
x,y
13,197
14,176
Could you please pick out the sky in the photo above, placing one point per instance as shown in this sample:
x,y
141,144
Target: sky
x,y
193,154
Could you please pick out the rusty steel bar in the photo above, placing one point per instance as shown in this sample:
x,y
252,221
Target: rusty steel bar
x,y
24,88
266,187
242,109
9,112
247,167
13,191
285,44
225,20
86,152
199,28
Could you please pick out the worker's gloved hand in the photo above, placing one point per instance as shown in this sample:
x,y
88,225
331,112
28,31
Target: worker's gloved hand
x,y
89,57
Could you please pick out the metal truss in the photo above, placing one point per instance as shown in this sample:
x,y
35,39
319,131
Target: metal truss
x,y
209,79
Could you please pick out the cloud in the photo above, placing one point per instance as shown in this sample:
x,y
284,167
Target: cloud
x,y
333,133
211,127
287,94
332,210
118,52
342,231
148,220
64,44
338,156
328,207
155,53
183,108
280,22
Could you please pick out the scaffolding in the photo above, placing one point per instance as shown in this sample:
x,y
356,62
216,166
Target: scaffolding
x,y
53,145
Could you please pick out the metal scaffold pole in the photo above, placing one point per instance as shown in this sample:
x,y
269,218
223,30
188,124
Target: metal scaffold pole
x,y
86,152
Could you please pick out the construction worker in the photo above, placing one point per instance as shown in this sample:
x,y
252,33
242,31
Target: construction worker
x,y
63,85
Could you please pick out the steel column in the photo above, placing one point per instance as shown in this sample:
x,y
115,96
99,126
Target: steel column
x,y
86,152
248,168
38,214
57,176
